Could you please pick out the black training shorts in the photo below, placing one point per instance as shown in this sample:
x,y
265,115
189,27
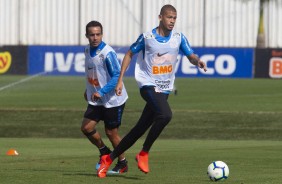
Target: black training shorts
x,y
110,116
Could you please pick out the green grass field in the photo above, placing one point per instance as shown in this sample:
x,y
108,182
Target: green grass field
x,y
234,120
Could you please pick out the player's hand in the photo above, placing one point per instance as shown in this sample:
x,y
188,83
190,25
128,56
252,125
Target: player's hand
x,y
85,95
118,89
202,65
95,97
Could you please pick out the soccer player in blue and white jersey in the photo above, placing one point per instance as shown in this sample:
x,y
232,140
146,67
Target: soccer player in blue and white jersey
x,y
102,70
155,73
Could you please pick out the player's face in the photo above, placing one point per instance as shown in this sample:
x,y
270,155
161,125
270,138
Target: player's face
x,y
168,19
94,35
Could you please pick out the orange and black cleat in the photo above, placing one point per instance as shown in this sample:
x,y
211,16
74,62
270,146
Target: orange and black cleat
x,y
143,161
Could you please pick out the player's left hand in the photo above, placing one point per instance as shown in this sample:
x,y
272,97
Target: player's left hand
x,y
118,88
202,65
95,97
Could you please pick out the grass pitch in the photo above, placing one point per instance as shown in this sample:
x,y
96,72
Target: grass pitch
x,y
234,109
71,161
237,121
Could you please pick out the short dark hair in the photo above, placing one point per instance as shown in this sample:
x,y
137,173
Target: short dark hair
x,y
167,7
94,24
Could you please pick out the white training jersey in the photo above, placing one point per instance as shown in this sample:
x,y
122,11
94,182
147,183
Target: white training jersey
x,y
156,66
97,76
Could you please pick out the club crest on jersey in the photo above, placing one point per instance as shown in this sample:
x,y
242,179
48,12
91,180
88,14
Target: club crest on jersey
x,y
149,36
101,57
176,35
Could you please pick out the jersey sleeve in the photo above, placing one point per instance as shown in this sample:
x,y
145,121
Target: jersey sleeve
x,y
185,46
113,68
138,45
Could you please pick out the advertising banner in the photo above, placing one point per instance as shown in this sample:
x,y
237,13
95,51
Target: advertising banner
x,y
69,60
13,60
268,63
56,60
221,63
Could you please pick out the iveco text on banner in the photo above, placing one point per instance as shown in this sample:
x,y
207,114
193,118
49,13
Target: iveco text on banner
x,y
69,60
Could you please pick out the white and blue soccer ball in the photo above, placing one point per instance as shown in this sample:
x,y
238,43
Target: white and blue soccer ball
x,y
218,171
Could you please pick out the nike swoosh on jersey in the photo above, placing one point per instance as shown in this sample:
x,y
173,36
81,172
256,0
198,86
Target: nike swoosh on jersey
x,y
161,54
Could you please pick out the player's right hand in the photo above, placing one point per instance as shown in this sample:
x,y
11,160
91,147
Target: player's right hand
x,y
85,95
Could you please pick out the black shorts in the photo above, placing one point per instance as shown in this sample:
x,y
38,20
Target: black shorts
x,y
110,116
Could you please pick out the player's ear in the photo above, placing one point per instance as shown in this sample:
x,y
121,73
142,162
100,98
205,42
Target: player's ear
x,y
86,35
160,17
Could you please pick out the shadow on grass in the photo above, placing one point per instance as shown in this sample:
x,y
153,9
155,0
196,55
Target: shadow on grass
x,y
109,176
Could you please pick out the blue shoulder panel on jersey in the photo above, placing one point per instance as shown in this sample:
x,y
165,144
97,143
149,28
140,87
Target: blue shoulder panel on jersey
x,y
185,46
113,68
138,45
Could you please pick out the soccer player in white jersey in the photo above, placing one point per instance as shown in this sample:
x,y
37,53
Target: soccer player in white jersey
x,y
102,70
155,73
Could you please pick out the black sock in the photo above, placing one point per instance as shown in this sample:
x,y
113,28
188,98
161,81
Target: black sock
x,y
104,150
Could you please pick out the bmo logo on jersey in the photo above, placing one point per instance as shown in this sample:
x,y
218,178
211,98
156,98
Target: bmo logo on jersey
x,y
162,69
275,67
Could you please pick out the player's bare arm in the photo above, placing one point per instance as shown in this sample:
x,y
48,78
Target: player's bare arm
x,y
85,95
195,60
125,63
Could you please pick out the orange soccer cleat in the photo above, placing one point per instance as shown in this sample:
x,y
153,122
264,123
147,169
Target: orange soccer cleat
x,y
143,161
106,162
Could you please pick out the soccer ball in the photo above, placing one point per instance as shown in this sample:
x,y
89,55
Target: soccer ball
x,y
218,171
